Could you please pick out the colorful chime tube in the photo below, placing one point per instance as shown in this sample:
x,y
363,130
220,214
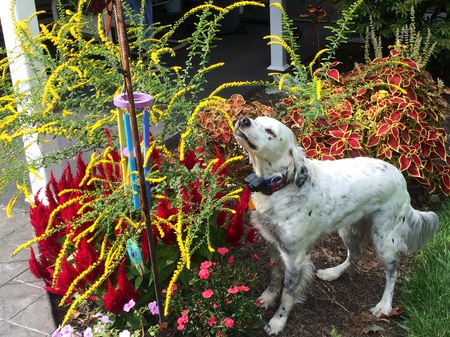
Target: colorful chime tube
x,y
141,101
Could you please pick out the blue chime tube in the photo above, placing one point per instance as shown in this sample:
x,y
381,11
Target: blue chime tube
x,y
132,163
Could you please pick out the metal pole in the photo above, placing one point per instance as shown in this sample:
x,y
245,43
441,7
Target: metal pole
x,y
124,55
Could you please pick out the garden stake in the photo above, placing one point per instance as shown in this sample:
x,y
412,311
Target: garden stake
x,y
124,55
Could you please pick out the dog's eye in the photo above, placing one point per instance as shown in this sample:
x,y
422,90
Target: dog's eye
x,y
270,132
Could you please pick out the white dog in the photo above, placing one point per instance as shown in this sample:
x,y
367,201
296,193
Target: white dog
x,y
297,200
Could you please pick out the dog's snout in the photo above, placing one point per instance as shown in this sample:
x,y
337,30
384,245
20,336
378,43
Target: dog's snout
x,y
244,121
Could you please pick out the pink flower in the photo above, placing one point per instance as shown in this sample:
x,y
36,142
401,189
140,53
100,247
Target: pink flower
x,y
174,287
212,321
222,250
236,289
102,318
255,256
231,260
203,273
258,302
153,307
206,265
127,306
233,290
207,293
228,322
182,321
88,332
65,331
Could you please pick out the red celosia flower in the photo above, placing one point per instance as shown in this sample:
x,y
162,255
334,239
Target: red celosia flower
x,y
164,211
190,159
252,236
67,275
221,218
235,229
86,256
144,245
40,269
192,198
114,299
231,260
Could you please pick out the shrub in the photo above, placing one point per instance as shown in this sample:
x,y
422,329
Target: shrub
x,y
388,17
388,108
217,121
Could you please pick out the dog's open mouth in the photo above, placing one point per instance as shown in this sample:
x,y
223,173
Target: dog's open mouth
x,y
240,134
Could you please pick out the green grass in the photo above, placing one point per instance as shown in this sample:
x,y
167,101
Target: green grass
x,y
426,291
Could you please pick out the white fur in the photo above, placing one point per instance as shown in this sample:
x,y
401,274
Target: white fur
x,y
358,197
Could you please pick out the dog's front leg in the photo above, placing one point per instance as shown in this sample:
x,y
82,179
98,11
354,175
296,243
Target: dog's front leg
x,y
269,296
291,281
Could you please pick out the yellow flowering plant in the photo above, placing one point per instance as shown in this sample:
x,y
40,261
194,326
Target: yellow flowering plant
x,y
88,234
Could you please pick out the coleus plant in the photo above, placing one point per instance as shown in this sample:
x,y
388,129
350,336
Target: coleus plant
x,y
388,108
217,121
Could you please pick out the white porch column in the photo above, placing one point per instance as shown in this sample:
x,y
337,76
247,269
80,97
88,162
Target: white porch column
x,y
14,11
278,56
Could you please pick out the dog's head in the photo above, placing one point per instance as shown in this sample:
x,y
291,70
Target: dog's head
x,y
272,148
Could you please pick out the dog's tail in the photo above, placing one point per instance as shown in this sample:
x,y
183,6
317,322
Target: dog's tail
x,y
422,227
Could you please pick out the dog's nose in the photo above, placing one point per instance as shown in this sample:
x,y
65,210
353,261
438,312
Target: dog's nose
x,y
244,121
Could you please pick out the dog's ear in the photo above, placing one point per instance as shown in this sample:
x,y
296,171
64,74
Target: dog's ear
x,y
297,172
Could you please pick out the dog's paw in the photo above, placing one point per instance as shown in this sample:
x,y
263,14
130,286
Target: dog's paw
x,y
329,274
381,309
276,325
267,298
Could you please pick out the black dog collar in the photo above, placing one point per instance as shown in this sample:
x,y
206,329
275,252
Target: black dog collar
x,y
265,186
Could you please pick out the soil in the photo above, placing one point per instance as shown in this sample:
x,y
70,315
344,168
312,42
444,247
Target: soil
x,y
343,304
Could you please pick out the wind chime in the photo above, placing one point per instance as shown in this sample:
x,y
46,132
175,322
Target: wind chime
x,y
129,134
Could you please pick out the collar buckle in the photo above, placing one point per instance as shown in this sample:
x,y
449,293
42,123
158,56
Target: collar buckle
x,y
265,186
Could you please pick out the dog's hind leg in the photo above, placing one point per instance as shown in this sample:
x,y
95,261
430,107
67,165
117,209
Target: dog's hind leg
x,y
269,296
353,237
385,304
388,250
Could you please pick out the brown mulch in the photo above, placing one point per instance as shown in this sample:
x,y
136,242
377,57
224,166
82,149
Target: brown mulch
x,y
342,304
